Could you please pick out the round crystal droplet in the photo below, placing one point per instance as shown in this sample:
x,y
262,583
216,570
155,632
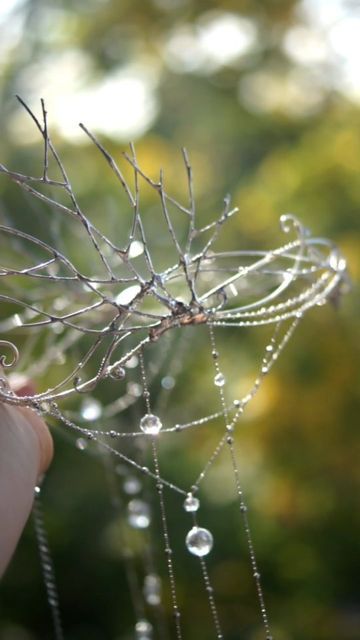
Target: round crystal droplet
x,y
150,424
199,541
136,248
138,514
152,589
118,373
132,362
191,503
81,443
143,630
219,380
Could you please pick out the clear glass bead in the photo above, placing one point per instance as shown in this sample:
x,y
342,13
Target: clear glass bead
x,y
219,380
199,541
191,503
139,514
118,373
132,363
81,443
136,248
150,424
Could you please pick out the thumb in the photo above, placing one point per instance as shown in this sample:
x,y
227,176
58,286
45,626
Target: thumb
x,y
26,450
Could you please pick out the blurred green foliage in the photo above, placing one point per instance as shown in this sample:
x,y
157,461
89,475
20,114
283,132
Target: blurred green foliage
x,y
299,445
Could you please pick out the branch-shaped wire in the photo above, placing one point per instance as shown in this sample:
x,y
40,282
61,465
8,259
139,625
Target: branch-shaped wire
x,y
125,311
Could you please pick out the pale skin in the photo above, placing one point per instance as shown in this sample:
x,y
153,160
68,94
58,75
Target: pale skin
x,y
26,450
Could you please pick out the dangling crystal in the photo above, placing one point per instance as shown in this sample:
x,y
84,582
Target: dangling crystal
x,y
132,362
143,630
219,380
127,295
81,444
131,485
138,514
136,248
91,409
118,373
150,424
191,503
152,589
199,541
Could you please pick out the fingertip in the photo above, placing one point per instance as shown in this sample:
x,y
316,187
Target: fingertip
x,y
25,387
46,444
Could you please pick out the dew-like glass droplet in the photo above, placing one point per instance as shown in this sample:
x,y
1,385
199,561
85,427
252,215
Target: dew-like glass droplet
x,y
91,409
139,514
152,589
191,503
219,380
132,363
150,424
136,248
143,630
118,373
199,541
127,295
81,443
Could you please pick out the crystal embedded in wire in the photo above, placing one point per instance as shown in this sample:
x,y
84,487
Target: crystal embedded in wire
x,y
191,503
118,373
199,541
219,380
150,424
139,514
